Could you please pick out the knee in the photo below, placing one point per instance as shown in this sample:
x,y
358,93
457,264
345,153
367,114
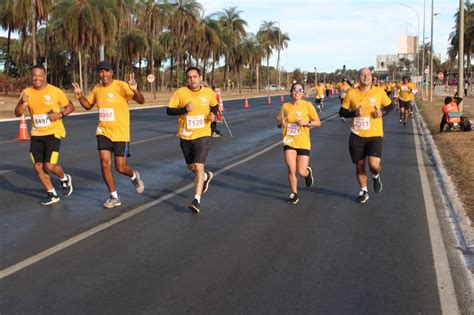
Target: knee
x,y
120,167
39,168
105,163
49,167
302,172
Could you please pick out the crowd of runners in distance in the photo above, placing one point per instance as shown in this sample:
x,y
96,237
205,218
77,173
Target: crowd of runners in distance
x,y
196,107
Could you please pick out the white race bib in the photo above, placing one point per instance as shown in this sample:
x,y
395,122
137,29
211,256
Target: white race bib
x,y
343,94
404,88
195,122
293,130
106,114
41,120
361,123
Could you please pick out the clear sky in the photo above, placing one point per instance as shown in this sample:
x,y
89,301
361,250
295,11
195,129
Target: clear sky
x,y
328,34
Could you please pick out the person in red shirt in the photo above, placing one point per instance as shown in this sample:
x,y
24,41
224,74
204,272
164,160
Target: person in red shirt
x,y
450,106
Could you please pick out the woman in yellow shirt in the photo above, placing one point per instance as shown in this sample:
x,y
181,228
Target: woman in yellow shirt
x,y
295,118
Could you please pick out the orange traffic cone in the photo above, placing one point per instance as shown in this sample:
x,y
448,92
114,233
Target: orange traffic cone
x,y
281,98
246,103
269,101
23,132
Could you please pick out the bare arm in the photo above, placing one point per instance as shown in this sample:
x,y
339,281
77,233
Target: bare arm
x,y
22,105
80,97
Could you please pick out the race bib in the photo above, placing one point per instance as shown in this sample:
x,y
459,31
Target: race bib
x,y
195,122
404,88
41,120
293,130
361,123
106,114
343,94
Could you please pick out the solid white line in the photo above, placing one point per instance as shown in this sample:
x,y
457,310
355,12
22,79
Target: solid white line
x,y
152,139
447,294
8,141
99,228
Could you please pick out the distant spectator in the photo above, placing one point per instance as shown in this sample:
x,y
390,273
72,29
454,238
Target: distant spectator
x,y
467,84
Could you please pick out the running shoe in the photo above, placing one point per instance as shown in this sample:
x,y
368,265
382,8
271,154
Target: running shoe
x,y
319,107
66,186
49,199
195,206
112,202
343,119
363,196
138,182
377,184
309,180
293,199
205,186
400,121
216,135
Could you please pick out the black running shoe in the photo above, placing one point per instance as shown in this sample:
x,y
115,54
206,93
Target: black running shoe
x,y
49,199
205,186
293,199
309,180
377,184
363,196
195,206
66,186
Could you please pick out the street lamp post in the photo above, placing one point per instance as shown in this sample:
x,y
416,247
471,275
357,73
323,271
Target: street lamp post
x,y
461,50
315,77
418,39
431,53
423,76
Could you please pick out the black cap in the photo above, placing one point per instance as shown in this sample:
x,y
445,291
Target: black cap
x,y
104,65
448,100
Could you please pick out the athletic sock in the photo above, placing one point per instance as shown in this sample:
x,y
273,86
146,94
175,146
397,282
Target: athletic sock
x,y
134,176
52,190
64,178
364,188
198,198
375,176
114,194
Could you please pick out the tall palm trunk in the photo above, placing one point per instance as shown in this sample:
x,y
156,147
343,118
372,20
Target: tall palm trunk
x,y
212,71
171,74
268,73
257,72
278,68
7,60
33,30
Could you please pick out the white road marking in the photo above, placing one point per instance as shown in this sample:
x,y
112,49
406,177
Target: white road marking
x,y
447,294
5,172
8,141
152,139
101,227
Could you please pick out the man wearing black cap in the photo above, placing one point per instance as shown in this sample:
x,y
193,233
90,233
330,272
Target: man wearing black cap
x,y
113,131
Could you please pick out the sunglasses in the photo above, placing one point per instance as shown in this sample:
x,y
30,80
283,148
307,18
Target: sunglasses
x,y
297,90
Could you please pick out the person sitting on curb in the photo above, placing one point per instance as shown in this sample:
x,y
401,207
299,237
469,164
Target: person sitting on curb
x,y
451,105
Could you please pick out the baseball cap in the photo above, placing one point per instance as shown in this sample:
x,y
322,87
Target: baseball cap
x,y
104,65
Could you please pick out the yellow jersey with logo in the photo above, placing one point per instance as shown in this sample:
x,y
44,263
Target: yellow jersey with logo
x,y
194,124
405,91
294,135
320,90
114,115
366,125
40,102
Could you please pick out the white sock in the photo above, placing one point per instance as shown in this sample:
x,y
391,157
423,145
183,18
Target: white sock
x,y
198,198
64,178
375,176
364,188
114,194
52,190
205,176
133,177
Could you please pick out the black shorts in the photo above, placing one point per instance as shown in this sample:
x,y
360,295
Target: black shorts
x,y
360,147
44,149
404,104
119,148
318,101
195,151
298,151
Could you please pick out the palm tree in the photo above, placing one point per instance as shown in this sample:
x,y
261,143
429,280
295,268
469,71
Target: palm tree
x,y
468,34
233,31
283,39
268,36
8,21
184,20
210,43
83,25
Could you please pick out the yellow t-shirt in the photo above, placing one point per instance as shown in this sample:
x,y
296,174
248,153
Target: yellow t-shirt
x,y
114,115
328,86
320,90
343,88
194,124
42,101
405,91
293,135
366,126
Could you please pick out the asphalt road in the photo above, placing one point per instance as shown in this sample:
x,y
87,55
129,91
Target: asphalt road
x,y
249,251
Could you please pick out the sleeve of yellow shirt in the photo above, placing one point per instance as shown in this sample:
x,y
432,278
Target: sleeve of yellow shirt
x,y
346,104
91,96
175,100
62,98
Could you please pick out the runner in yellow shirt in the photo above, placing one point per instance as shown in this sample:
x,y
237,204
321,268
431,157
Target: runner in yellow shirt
x,y
113,131
196,107
296,118
319,95
44,102
366,106
406,93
